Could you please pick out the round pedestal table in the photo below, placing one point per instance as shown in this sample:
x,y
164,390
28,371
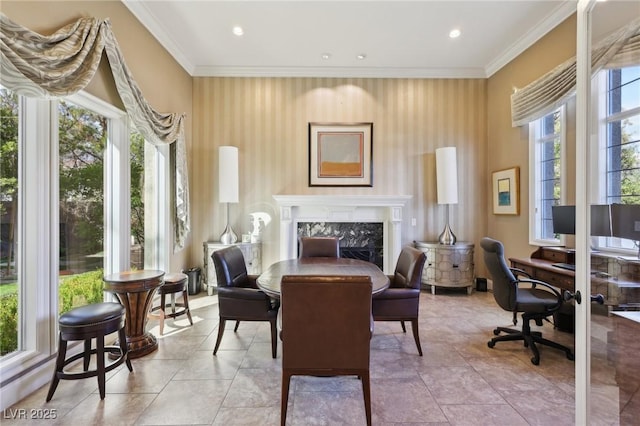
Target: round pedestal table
x,y
135,291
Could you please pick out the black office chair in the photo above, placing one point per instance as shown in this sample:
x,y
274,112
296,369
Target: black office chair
x,y
521,295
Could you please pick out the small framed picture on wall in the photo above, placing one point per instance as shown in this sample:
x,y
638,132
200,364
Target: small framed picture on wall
x,y
506,191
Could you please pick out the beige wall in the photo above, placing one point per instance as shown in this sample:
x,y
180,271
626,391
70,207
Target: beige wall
x,y
267,118
164,83
509,146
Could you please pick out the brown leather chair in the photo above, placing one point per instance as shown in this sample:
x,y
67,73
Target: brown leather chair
x,y
239,298
326,330
319,247
400,302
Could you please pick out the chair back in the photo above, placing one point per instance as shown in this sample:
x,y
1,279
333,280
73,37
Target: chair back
x,y
326,323
319,247
230,267
504,289
409,267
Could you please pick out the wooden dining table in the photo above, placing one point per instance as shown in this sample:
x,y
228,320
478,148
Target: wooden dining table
x,y
269,281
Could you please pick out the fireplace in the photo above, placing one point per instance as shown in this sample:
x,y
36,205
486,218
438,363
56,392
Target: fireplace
x,y
358,240
349,214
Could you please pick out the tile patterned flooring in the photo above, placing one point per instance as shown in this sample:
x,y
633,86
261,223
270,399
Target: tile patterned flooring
x,y
458,381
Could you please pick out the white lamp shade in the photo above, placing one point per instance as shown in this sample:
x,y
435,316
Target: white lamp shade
x,y
447,175
228,179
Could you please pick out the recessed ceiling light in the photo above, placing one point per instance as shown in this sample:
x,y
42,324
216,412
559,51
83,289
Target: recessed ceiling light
x,y
361,56
326,56
237,30
454,33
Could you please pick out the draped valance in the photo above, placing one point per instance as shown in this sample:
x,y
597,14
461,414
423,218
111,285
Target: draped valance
x,y
541,97
65,62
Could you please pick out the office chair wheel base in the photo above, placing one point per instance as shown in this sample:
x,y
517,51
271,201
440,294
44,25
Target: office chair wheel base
x,y
535,360
571,357
496,331
491,343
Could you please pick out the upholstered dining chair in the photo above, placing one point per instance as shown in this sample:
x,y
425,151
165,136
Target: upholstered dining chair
x,y
319,247
326,330
239,298
535,299
400,302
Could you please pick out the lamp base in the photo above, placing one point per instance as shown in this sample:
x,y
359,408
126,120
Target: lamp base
x,y
447,237
228,236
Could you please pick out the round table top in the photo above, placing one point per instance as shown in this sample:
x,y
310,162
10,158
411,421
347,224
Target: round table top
x,y
269,281
126,277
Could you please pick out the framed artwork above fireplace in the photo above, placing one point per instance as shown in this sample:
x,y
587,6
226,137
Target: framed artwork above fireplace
x,y
340,154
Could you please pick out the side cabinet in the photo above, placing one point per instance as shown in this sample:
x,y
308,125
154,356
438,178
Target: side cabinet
x,y
447,265
252,253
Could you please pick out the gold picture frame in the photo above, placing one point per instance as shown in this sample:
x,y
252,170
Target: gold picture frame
x,y
340,154
506,191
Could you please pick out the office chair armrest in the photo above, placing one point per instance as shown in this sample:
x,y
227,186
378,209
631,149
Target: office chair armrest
x,y
542,283
520,272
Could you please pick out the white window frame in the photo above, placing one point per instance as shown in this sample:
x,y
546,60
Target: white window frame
x,y
534,179
25,371
598,156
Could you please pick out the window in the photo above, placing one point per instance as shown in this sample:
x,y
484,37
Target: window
x,y
66,169
617,155
546,167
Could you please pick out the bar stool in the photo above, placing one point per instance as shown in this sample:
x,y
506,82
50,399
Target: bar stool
x,y
173,283
86,323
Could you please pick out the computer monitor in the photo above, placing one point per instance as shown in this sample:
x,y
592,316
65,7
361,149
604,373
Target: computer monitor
x,y
564,220
625,221
600,220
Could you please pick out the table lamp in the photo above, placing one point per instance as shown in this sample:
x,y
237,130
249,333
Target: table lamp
x,y
447,187
228,184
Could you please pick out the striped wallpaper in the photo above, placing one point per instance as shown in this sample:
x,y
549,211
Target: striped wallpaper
x,y
267,119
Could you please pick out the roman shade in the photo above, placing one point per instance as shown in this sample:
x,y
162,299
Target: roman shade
x,y
549,92
65,62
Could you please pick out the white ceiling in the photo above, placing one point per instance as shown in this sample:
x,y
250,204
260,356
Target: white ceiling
x,y
399,38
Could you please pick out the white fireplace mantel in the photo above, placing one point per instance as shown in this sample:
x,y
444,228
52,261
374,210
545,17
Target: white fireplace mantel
x,y
387,209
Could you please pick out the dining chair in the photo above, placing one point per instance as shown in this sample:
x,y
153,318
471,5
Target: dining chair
x,y
326,329
239,297
319,247
401,300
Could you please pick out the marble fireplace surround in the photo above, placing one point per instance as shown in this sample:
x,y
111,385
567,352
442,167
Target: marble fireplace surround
x,y
387,209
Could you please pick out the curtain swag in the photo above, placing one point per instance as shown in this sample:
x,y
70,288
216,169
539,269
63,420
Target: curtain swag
x,y
65,62
555,88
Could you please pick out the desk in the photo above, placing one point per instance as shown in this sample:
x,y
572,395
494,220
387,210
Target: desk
x,y
269,280
620,287
135,291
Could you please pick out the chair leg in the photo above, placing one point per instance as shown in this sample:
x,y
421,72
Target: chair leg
x,y
62,353
284,400
274,338
185,302
220,333
100,365
366,391
416,336
404,329
87,354
236,327
162,313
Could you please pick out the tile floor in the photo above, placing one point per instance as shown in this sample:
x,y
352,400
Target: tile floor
x,y
458,381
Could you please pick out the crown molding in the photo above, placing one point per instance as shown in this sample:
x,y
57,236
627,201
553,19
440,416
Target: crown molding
x,y
555,18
